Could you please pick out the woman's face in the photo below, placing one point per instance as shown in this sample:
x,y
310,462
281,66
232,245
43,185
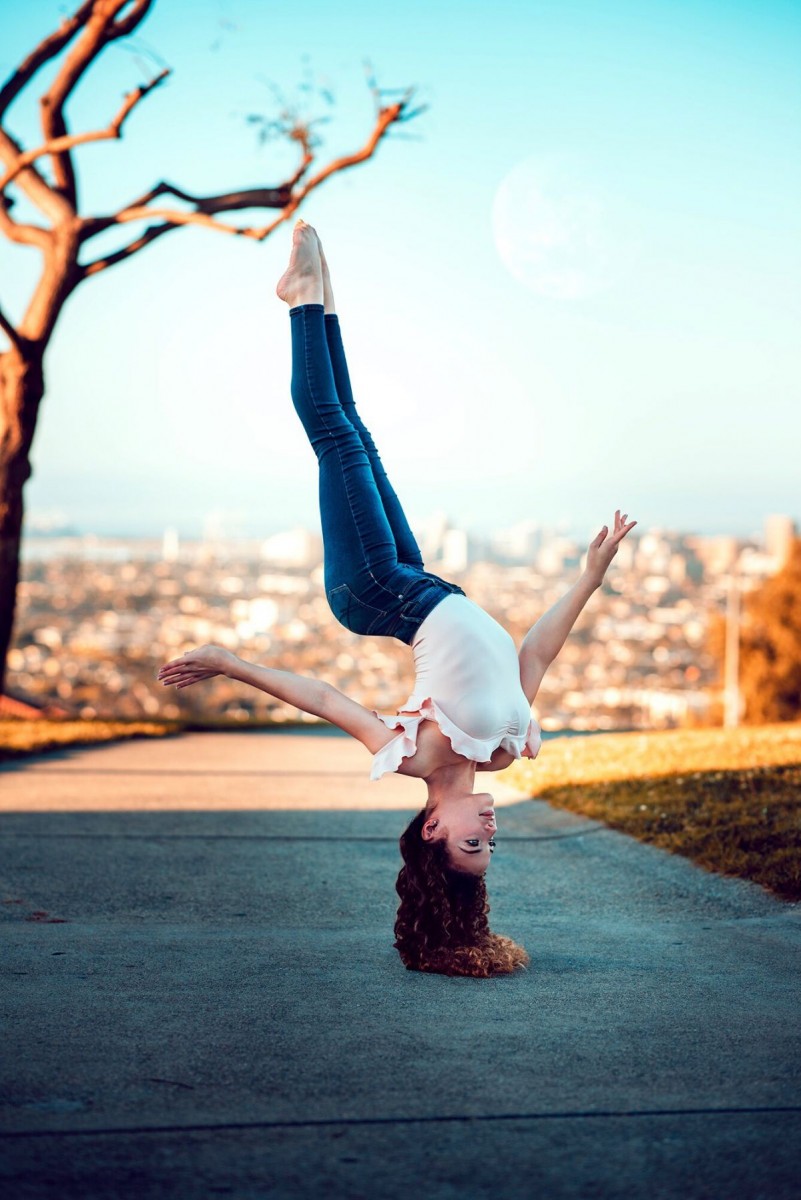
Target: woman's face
x,y
467,823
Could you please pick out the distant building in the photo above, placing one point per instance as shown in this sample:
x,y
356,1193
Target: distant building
x,y
292,548
443,544
430,534
557,556
717,555
780,532
755,565
170,545
519,544
455,550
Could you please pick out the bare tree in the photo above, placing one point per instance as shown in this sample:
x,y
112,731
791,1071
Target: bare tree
x,y
63,235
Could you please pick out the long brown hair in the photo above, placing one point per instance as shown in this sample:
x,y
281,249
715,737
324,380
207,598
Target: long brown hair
x,y
442,923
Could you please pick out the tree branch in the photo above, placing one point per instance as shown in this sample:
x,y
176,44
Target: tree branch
x,y
206,207
10,332
275,197
176,217
23,235
261,197
68,141
99,30
127,25
386,117
47,49
100,264
35,187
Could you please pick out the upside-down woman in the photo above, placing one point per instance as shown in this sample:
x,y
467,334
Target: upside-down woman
x,y
470,709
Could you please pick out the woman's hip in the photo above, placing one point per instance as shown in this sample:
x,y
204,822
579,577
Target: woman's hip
x,y
392,604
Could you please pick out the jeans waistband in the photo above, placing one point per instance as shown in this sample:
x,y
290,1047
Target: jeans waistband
x,y
405,623
394,605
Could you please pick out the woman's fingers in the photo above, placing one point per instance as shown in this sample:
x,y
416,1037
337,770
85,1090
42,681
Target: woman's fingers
x,y
173,664
184,678
621,527
189,659
622,531
182,671
167,676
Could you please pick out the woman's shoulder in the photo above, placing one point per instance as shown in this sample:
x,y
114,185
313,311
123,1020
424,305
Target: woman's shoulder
x,y
433,749
413,745
501,759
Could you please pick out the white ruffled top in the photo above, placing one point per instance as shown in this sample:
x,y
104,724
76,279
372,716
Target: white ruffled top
x,y
468,682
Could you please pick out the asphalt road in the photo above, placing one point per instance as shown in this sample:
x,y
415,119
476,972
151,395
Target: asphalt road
x,y
230,1017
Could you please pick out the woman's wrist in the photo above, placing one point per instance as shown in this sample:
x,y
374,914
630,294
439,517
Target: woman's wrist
x,y
231,664
592,580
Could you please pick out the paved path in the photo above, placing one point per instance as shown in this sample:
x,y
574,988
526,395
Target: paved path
x,y
212,1005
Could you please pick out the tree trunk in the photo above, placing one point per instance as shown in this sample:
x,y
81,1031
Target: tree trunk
x,y
21,389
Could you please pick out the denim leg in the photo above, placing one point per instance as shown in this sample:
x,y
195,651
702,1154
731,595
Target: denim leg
x,y
359,543
405,542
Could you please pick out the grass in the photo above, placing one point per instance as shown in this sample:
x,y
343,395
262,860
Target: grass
x,y
19,738
729,799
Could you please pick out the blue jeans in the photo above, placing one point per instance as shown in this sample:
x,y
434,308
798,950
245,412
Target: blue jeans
x,y
375,581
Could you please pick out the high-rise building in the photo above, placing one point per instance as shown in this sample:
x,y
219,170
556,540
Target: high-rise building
x,y
780,532
519,543
455,550
292,548
430,534
170,545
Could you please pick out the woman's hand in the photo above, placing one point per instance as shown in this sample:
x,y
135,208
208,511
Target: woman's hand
x,y
203,663
604,548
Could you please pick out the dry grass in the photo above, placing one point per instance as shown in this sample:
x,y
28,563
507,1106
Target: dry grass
x,y
728,799
19,738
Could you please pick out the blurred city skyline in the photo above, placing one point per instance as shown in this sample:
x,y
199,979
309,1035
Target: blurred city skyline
x,y
442,537
576,287
98,617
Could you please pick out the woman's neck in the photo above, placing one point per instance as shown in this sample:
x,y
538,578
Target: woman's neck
x,y
450,779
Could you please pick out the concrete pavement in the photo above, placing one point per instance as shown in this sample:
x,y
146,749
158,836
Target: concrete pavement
x,y
208,1002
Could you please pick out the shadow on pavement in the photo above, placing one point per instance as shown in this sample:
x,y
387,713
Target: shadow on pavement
x,y
218,1008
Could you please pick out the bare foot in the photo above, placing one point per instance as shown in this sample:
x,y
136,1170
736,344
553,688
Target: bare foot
x,y
302,281
328,291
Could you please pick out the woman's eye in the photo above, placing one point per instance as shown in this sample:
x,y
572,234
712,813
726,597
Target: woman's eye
x,y
472,841
492,844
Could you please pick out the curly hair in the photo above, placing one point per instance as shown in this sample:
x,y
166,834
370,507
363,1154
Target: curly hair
x,y
442,921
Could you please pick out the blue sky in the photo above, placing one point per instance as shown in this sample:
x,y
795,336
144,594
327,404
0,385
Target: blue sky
x,y
574,287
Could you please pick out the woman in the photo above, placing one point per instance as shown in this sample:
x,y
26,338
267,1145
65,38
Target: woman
x,y
471,705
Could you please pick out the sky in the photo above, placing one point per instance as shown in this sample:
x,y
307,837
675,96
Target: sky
x,y
571,285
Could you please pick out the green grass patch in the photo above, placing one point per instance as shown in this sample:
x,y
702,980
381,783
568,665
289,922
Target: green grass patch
x,y
729,799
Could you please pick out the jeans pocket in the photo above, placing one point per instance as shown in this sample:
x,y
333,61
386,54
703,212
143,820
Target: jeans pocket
x,y
404,629
352,612
452,587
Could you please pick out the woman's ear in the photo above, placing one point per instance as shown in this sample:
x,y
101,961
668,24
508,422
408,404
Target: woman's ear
x,y
429,829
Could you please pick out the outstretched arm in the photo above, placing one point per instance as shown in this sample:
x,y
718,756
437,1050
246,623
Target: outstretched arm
x,y
310,695
546,638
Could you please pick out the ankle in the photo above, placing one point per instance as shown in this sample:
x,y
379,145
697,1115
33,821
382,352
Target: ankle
x,y
307,292
328,297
